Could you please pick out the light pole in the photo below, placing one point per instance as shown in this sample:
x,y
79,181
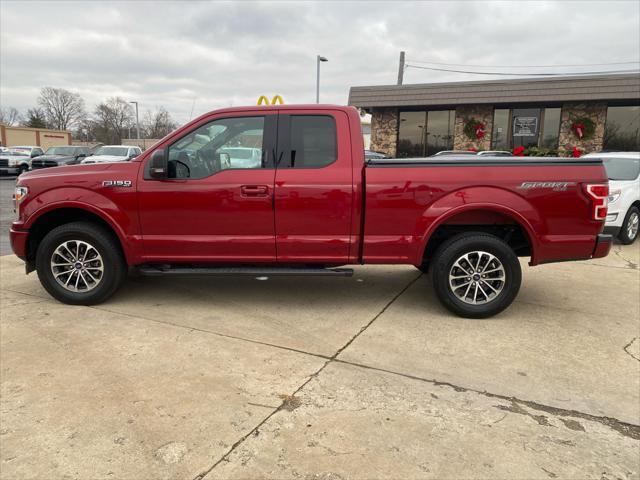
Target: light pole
x,y
137,121
318,60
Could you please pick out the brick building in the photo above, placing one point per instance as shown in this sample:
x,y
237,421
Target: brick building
x,y
550,115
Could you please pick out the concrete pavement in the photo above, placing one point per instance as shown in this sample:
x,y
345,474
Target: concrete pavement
x,y
365,377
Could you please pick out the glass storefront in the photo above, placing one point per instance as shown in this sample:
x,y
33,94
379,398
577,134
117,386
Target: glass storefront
x,y
500,133
551,128
622,129
421,134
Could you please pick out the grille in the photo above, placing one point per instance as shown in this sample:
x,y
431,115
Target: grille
x,y
43,164
4,162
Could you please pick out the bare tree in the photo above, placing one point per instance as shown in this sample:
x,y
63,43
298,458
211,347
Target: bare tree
x,y
158,124
63,109
111,118
9,116
35,119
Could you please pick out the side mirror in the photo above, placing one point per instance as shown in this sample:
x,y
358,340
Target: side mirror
x,y
158,166
82,155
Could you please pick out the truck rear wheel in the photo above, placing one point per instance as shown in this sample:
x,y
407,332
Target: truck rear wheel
x,y
476,275
80,263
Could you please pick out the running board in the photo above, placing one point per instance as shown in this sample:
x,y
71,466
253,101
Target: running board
x,y
152,271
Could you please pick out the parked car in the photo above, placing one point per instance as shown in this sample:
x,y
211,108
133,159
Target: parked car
x,y
59,156
495,153
17,160
369,154
31,150
443,153
113,153
623,217
243,157
313,206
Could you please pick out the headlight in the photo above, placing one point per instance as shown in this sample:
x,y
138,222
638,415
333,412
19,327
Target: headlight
x,y
13,162
19,195
614,195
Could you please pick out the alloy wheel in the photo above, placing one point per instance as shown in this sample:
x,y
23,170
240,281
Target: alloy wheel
x,y
477,277
77,266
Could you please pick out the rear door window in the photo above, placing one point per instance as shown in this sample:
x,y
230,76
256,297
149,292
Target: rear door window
x,y
308,141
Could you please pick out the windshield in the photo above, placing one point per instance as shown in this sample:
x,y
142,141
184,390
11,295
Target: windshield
x,y
60,151
622,168
118,151
18,153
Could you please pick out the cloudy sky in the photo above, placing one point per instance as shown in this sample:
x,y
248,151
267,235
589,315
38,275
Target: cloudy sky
x,y
215,54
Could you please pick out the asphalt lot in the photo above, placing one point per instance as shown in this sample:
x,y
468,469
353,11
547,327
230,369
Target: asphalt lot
x,y
323,378
6,212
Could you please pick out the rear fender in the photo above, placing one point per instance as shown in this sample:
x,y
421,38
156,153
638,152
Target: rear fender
x,y
501,201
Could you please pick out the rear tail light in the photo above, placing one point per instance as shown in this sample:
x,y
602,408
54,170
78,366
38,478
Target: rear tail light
x,y
599,196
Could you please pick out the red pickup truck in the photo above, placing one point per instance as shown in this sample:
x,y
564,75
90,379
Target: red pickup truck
x,y
285,190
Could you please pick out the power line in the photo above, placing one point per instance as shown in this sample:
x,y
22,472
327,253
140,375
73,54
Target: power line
x,y
548,74
527,66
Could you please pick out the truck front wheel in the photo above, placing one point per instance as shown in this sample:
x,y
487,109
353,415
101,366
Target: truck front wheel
x,y
80,263
475,275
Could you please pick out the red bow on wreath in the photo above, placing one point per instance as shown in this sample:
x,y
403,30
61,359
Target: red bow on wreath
x,y
576,152
578,128
480,130
518,151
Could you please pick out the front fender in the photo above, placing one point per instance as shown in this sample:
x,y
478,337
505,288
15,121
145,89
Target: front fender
x,y
492,199
119,213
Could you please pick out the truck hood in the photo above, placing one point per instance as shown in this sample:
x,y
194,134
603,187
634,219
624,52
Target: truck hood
x,y
80,173
104,158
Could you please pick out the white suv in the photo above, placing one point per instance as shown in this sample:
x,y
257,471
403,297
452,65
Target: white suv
x,y
623,217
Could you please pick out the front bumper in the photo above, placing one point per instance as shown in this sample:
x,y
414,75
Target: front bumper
x,y
603,245
9,170
18,240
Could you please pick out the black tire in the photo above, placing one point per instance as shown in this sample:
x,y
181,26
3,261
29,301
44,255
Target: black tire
x,y
102,241
468,243
626,237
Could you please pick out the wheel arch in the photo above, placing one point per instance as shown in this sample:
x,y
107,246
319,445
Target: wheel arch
x,y
52,216
502,221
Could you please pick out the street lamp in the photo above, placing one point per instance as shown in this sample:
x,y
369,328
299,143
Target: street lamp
x,y
318,60
137,121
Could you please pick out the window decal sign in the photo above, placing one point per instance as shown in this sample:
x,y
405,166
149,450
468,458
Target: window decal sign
x,y
525,126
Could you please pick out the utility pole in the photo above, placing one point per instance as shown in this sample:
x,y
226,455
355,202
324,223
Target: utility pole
x,y
137,121
319,59
401,69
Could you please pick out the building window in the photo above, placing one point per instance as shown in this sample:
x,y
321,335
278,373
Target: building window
x,y
622,129
550,128
439,134
421,134
500,134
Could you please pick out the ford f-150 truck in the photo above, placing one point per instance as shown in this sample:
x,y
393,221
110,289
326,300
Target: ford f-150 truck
x,y
310,205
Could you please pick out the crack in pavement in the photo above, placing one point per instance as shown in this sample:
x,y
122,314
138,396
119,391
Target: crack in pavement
x,y
624,428
630,264
628,345
256,429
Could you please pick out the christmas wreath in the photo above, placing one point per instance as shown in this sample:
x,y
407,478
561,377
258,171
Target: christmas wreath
x,y
583,128
475,129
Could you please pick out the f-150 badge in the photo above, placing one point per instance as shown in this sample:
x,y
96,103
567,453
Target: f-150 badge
x,y
556,186
117,183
